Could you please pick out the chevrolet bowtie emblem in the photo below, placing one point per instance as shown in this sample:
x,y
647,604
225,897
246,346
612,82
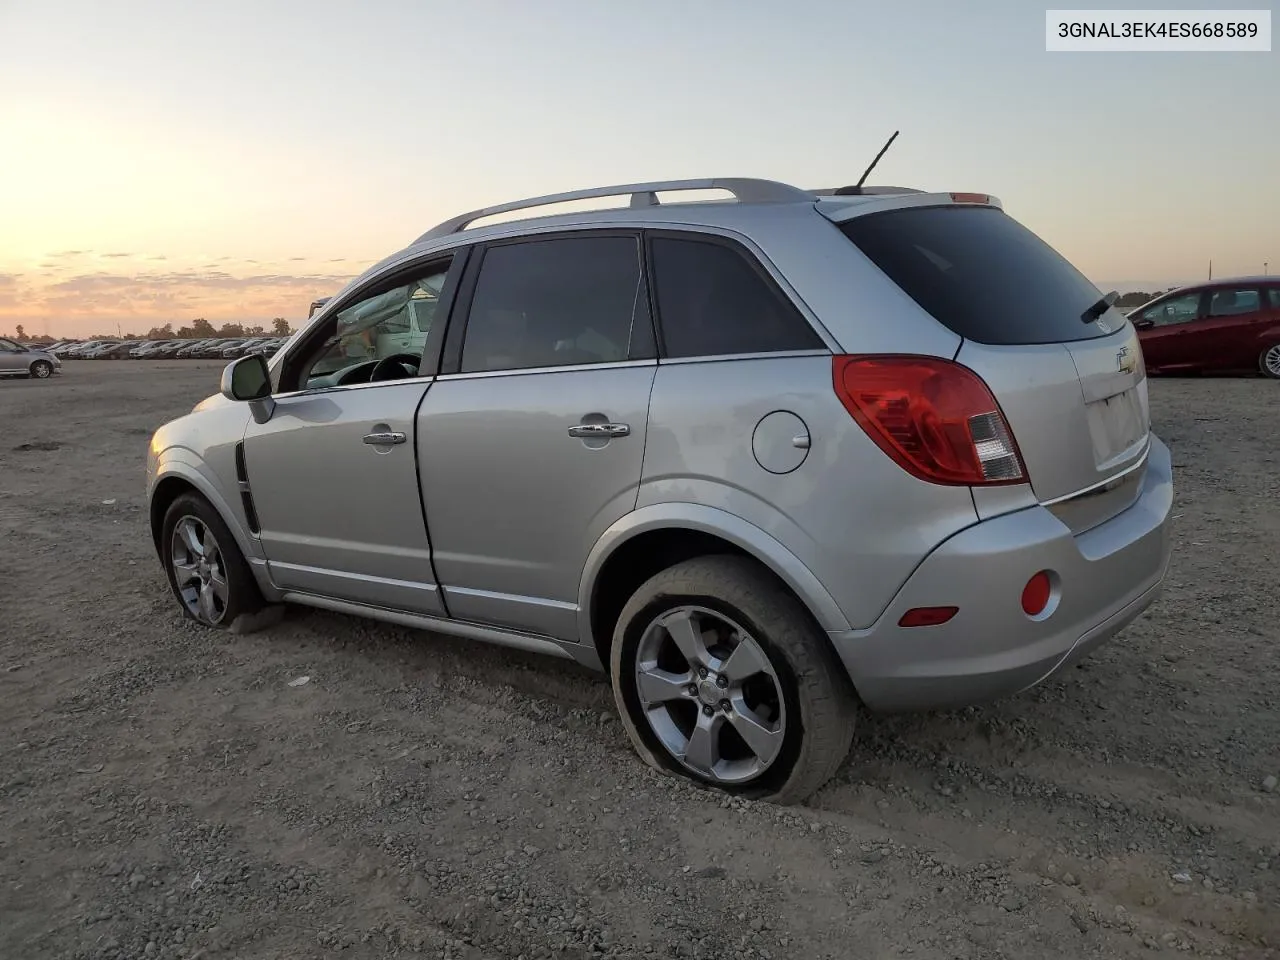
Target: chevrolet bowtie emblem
x,y
1125,362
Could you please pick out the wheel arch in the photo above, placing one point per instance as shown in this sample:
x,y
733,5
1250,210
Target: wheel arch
x,y
174,477
657,536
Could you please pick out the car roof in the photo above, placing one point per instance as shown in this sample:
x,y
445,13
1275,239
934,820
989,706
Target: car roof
x,y
755,203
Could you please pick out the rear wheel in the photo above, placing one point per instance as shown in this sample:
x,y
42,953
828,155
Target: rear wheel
x,y
207,572
1269,361
721,676
42,370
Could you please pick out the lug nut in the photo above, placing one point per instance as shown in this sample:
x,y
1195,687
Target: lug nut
x,y
702,672
721,682
726,706
707,711
693,691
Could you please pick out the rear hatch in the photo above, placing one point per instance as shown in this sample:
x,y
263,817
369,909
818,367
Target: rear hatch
x,y
1069,379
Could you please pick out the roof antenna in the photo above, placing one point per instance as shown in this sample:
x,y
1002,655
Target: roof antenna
x,y
856,189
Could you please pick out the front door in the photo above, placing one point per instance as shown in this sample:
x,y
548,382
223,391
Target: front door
x,y
333,474
1165,330
532,440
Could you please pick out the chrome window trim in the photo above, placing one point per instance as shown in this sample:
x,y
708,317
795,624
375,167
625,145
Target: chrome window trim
x,y
566,368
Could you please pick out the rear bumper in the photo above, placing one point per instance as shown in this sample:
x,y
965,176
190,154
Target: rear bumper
x,y
1106,577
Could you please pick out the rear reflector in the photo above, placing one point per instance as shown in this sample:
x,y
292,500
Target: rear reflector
x,y
927,616
1035,595
934,418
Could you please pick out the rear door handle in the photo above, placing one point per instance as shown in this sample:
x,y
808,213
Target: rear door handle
x,y
588,431
384,439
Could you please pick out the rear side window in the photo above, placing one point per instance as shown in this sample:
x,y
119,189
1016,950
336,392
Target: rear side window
x,y
1275,298
980,273
713,302
550,303
1232,301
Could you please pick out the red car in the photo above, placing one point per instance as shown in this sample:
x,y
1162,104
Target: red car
x,y
1228,326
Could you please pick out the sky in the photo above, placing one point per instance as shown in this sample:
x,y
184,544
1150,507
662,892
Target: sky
x,y
161,161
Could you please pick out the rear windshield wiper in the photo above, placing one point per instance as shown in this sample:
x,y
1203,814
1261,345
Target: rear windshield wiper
x,y
1099,308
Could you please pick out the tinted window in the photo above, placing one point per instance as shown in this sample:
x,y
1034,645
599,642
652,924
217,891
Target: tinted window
x,y
549,303
712,301
1275,298
1168,313
980,272
1229,302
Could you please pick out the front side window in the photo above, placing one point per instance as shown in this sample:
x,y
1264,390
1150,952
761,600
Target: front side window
x,y
712,302
387,324
554,302
1230,302
1174,311
8,346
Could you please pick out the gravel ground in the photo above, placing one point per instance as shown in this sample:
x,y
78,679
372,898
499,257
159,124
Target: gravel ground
x,y
166,792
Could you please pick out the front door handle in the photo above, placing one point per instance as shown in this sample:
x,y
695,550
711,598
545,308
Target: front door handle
x,y
385,439
590,431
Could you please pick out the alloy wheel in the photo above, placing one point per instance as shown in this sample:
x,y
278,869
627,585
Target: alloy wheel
x,y
1271,361
41,370
198,570
710,695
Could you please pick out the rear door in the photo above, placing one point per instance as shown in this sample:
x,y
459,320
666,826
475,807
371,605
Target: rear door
x,y
1072,386
11,356
1226,338
531,441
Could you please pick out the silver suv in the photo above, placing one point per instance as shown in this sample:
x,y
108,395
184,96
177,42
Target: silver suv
x,y
759,458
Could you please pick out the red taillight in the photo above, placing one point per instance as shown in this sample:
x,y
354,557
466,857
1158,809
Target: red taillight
x,y
927,616
970,198
935,419
1035,595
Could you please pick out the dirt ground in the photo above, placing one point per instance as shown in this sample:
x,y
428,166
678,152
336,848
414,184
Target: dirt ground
x,y
166,792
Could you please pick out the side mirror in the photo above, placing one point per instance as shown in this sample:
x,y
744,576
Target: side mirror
x,y
1143,324
247,379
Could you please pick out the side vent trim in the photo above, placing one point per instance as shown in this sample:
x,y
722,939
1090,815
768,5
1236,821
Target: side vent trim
x,y
246,496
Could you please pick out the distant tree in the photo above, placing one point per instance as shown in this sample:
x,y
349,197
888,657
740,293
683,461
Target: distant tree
x,y
280,327
254,331
161,333
230,330
200,327
22,334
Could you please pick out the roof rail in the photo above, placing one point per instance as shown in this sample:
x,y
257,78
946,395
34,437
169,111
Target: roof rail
x,y
744,189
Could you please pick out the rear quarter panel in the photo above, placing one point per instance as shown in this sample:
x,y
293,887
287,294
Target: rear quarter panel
x,y
855,519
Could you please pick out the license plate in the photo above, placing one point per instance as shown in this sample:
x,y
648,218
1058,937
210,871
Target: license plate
x,y
1116,424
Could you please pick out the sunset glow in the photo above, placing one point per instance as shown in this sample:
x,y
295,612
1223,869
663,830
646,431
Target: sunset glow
x,y
235,161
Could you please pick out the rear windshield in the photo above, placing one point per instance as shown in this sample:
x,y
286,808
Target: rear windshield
x,y
980,273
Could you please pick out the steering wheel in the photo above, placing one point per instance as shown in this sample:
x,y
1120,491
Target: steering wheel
x,y
408,362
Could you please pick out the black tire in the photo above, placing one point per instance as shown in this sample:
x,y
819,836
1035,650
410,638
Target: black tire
x,y
820,704
1269,361
243,598
41,370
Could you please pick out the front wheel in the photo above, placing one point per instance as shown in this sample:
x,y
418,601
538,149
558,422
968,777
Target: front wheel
x,y
1269,362
207,572
42,370
720,676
